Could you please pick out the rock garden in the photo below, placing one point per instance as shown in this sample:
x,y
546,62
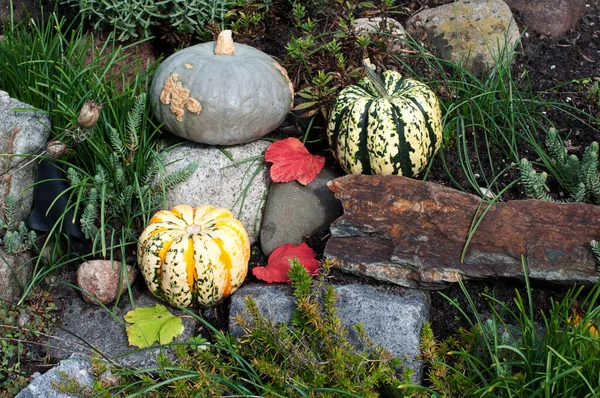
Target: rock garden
x,y
318,198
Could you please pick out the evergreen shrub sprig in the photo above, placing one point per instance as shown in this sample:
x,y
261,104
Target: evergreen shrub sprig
x,y
581,178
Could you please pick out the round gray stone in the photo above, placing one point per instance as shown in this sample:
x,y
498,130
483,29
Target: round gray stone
x,y
294,211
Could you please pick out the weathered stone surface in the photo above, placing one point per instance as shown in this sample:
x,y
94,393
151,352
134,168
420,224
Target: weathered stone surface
x,y
374,25
392,320
74,371
476,33
87,329
23,134
15,272
221,183
100,279
294,211
549,17
412,233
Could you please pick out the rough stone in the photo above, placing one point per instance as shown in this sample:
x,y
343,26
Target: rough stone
x,y
374,25
24,134
100,279
294,211
221,182
476,33
15,272
69,371
87,330
412,233
549,17
275,301
391,320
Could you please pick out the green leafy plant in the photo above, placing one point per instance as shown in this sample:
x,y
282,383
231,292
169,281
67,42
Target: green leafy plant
x,y
119,196
21,328
137,18
15,239
115,161
511,354
489,120
312,356
580,178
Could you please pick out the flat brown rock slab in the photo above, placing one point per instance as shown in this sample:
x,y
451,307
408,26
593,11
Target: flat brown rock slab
x,y
411,233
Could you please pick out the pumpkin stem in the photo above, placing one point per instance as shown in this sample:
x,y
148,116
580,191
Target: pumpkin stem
x,y
224,44
375,79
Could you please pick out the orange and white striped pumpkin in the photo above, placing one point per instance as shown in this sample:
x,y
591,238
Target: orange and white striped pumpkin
x,y
190,256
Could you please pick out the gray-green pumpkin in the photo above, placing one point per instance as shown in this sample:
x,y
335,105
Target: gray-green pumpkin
x,y
220,94
388,125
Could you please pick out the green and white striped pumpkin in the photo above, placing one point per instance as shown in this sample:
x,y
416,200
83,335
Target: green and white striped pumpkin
x,y
386,125
193,256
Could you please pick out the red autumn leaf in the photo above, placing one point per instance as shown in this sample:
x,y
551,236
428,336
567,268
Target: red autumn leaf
x,y
278,265
292,161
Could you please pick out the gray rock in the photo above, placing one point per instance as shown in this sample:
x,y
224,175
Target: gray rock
x,y
549,17
294,210
220,182
73,372
24,134
392,320
373,25
87,329
276,301
476,33
15,272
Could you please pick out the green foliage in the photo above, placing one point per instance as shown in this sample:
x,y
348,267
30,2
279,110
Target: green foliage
x,y
137,18
489,119
115,198
313,353
14,240
581,178
324,63
512,355
113,168
22,327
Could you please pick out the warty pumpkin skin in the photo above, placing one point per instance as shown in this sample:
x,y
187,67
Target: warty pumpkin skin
x,y
390,128
219,93
193,256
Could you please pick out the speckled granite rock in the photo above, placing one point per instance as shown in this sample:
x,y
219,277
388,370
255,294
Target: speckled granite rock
x,y
475,33
549,17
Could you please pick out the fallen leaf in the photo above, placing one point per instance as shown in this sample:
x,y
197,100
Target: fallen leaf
x,y
151,324
292,161
278,265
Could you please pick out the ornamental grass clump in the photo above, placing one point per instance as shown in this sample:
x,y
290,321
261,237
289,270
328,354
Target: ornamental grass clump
x,y
518,353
